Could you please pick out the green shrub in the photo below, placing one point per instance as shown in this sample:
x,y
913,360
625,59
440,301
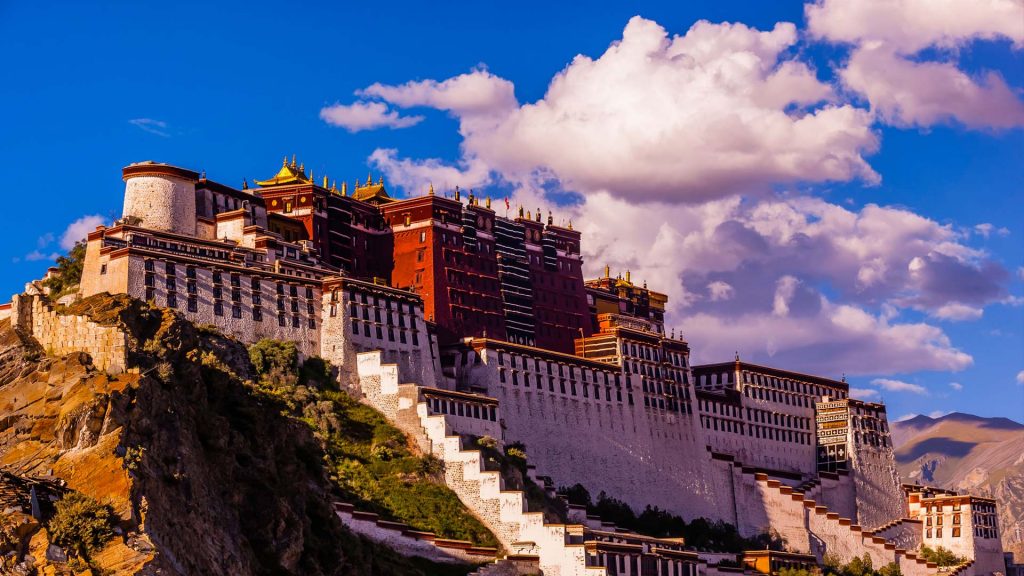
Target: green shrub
x,y
270,357
941,556
80,524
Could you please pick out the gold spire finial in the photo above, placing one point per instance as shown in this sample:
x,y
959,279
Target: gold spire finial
x,y
430,191
293,160
381,180
302,167
457,194
528,215
520,210
245,184
325,180
538,214
551,219
344,188
285,161
607,271
311,179
369,178
570,224
627,276
488,202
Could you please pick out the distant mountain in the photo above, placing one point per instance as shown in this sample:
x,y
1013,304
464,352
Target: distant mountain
x,y
983,456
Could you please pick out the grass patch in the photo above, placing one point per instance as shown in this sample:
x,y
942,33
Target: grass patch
x,y
512,465
371,463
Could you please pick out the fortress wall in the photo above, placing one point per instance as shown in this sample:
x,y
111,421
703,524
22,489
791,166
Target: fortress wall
x,y
638,454
61,334
879,498
838,493
403,540
350,326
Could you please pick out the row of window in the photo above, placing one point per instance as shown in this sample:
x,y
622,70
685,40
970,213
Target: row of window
x,y
459,408
525,363
755,431
235,279
369,329
777,396
505,376
755,415
791,385
236,309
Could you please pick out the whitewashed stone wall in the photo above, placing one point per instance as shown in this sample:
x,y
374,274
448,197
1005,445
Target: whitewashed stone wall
x,y
405,541
162,202
880,498
639,454
61,334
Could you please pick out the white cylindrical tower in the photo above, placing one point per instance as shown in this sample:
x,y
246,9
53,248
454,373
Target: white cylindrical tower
x,y
161,197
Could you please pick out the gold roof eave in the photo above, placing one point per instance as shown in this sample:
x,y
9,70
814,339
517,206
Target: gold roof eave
x,y
288,174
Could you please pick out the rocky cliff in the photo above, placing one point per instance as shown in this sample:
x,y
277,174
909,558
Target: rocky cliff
x,y
204,475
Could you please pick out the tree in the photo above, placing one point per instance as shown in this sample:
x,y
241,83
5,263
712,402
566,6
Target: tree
x,y
273,359
81,524
69,271
941,556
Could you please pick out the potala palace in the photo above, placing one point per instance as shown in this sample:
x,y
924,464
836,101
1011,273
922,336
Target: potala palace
x,y
457,322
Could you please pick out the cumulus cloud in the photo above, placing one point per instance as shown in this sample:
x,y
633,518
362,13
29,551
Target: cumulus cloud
x,y
912,25
908,93
899,386
79,229
986,229
906,89
366,116
1020,377
956,386
682,118
158,127
668,145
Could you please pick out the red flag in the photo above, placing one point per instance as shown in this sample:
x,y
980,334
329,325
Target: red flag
x,y
506,203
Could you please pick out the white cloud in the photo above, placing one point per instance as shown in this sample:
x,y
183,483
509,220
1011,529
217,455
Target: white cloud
x,y
938,413
912,25
956,386
986,229
1020,377
660,135
79,229
36,255
905,89
899,386
719,290
906,417
366,116
474,94
158,127
415,176
909,93
863,393
688,118
957,311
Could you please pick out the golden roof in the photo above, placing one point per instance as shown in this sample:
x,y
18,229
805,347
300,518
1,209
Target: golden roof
x,y
372,193
288,174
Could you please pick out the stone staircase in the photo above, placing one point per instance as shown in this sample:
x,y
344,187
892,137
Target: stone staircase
x,y
557,548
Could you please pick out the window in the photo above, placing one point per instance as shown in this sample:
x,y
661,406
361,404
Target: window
x,y
236,311
190,272
293,290
218,308
312,322
172,300
103,269
280,320
423,237
169,267
217,277
255,284
309,292
420,254
295,321
171,285
149,265
355,326
190,286
193,304
257,314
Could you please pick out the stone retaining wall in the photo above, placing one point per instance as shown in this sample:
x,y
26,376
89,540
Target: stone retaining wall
x,y
61,334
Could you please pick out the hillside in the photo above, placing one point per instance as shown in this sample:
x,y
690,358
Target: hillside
x,y
202,472
960,451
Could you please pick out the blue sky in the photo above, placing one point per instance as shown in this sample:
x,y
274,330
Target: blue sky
x,y
845,243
